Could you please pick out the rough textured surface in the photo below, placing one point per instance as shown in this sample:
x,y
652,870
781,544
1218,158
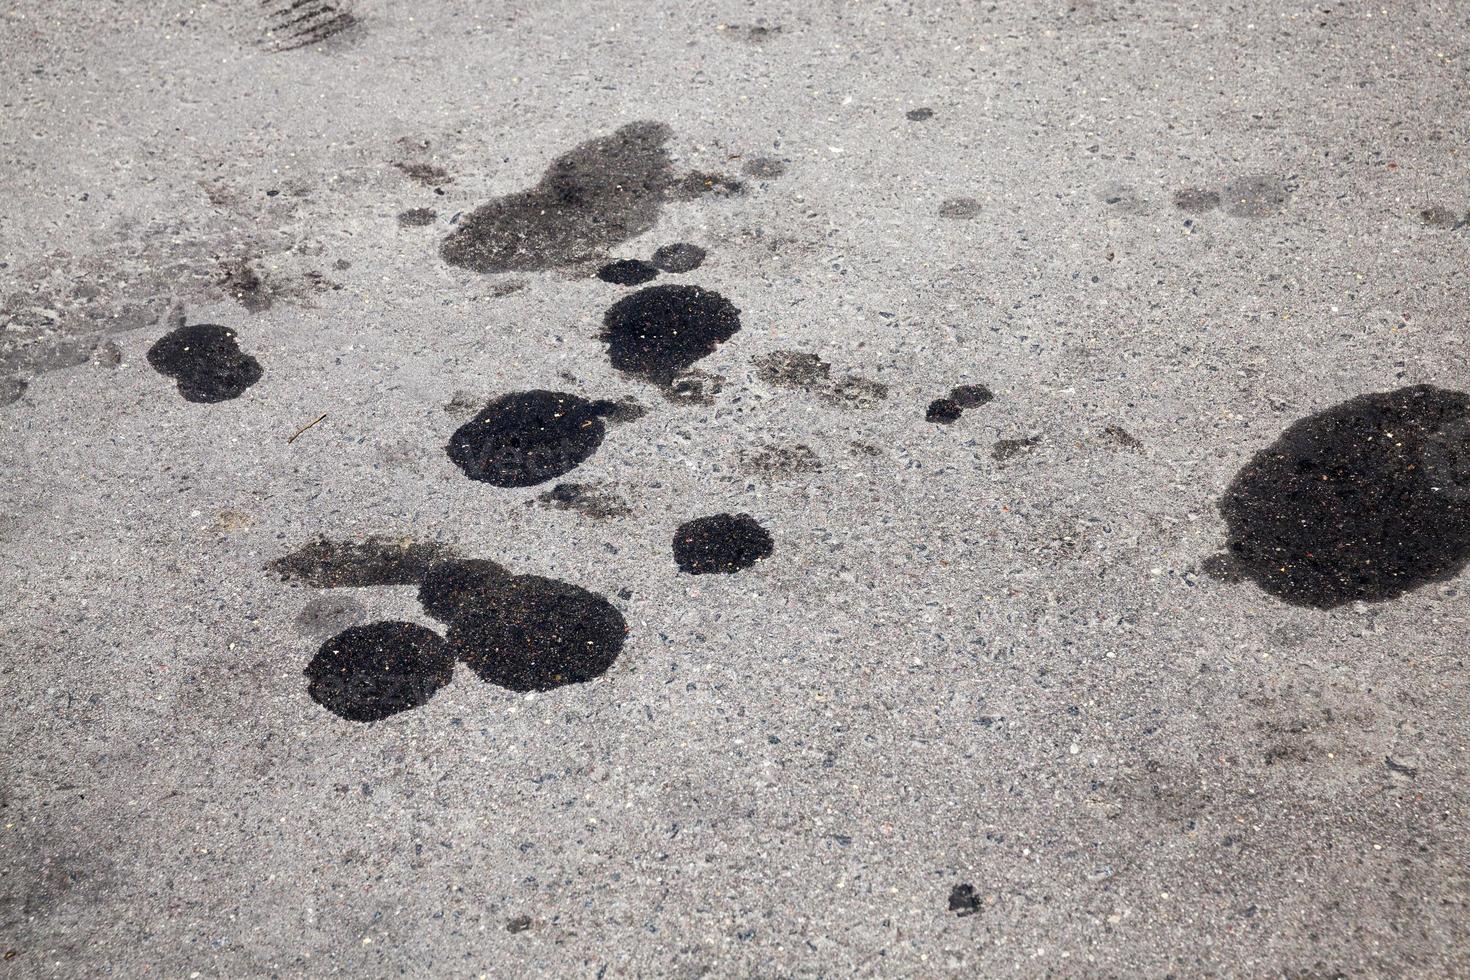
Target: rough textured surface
x,y
975,716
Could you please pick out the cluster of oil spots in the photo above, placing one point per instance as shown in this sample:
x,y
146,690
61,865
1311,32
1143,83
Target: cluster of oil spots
x,y
518,632
1364,501
1252,196
678,257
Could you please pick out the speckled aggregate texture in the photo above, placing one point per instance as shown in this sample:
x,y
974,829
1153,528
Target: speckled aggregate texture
x,y
984,711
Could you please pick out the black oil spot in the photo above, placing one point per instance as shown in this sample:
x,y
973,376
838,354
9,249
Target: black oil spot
x,y
627,272
964,900
1256,196
1196,200
418,217
376,560
586,499
526,438
450,587
960,208
679,257
206,361
424,173
328,614
919,115
1121,438
600,193
528,633
662,330
1005,449
1362,502
949,409
944,411
245,285
368,673
764,168
1443,218
722,543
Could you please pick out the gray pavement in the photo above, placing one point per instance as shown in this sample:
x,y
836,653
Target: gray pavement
x,y
1009,695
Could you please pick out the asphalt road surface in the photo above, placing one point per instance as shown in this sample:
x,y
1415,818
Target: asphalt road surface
x,y
609,489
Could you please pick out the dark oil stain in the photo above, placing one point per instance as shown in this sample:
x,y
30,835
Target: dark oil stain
x,y
694,387
660,331
1443,218
1121,438
721,543
528,633
598,194
697,184
1364,501
245,285
586,499
949,409
919,115
627,272
529,437
1005,449
764,168
424,173
294,24
206,362
449,587
964,900
1256,196
328,614
960,208
782,462
1196,200
519,924
375,560
808,372
418,217
367,673
678,257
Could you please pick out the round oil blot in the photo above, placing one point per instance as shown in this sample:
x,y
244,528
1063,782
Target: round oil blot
x,y
528,633
662,330
451,586
627,272
679,257
722,543
529,437
971,396
1361,502
368,673
206,362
